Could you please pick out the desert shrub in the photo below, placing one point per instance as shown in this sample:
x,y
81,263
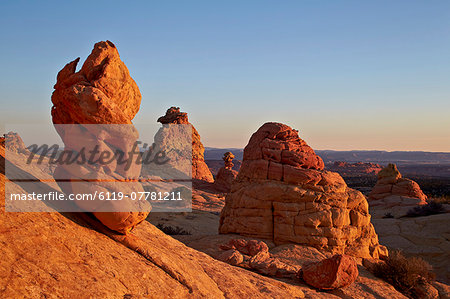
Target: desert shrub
x,y
431,208
442,199
404,273
170,230
388,215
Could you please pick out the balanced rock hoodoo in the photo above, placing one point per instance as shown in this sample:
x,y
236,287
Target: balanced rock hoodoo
x,y
393,190
226,174
283,194
200,170
101,93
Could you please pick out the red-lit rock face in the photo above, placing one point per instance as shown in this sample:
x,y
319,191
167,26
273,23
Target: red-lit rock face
x,y
393,190
282,193
102,92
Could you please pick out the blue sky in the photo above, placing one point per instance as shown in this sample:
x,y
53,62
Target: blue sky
x,y
346,74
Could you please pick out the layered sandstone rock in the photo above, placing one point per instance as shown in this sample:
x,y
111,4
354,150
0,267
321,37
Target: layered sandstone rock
x,y
226,174
298,256
62,256
282,193
101,93
393,190
255,255
200,170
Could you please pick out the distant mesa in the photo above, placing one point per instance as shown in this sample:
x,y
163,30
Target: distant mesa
x,y
200,171
393,190
355,169
226,174
283,194
102,92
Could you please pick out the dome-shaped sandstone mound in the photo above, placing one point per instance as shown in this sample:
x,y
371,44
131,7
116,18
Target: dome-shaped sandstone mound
x,y
393,190
282,193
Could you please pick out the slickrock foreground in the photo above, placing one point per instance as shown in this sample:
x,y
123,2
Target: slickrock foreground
x,y
426,237
255,255
226,174
200,170
71,255
283,194
393,190
102,92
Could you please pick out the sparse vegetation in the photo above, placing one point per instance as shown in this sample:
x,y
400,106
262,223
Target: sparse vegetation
x,y
435,187
442,199
172,231
388,215
404,273
431,208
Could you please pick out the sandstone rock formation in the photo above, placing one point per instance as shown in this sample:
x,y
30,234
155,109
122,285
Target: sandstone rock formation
x,y
200,170
393,190
283,194
228,160
332,273
247,247
35,264
226,174
101,93
13,142
255,255
70,255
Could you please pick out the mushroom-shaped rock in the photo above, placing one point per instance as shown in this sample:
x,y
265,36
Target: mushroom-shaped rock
x,y
226,175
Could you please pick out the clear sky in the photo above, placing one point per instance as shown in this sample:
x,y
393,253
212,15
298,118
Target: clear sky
x,y
346,74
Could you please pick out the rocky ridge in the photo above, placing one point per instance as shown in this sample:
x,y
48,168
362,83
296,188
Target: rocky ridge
x,y
354,169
